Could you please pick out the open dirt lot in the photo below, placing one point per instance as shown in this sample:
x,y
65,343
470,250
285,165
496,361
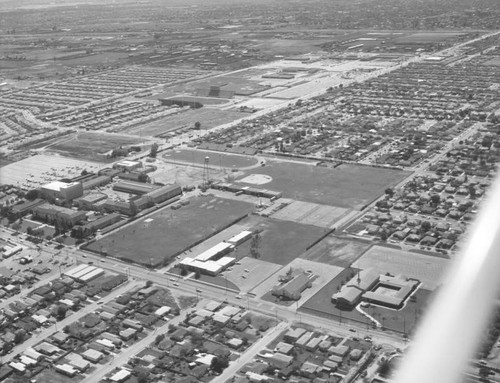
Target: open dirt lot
x,y
94,146
309,213
216,159
35,171
429,270
209,118
346,186
337,251
171,231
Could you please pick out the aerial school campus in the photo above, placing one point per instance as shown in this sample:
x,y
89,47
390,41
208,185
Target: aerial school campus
x,y
265,199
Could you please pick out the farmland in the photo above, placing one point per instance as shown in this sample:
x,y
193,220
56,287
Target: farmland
x,y
171,231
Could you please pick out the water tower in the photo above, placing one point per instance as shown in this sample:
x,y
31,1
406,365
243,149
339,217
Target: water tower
x,y
206,175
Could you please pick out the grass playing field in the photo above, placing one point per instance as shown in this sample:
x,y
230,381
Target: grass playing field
x,y
170,232
347,186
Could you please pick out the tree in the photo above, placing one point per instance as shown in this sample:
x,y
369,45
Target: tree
x,y
154,150
142,377
472,191
435,199
183,272
19,336
254,246
159,338
61,311
389,192
197,274
33,194
197,125
383,235
425,226
218,364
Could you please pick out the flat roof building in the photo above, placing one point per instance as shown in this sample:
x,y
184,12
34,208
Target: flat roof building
x,y
62,190
132,187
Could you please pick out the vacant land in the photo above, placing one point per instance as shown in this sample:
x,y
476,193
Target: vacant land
x,y
429,270
94,146
280,241
208,118
337,251
216,159
171,231
347,186
311,214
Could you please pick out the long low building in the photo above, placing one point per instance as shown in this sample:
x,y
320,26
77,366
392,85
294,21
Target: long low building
x,y
164,193
209,267
215,252
240,238
132,187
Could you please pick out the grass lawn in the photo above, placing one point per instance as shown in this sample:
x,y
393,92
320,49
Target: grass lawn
x,y
347,186
50,375
281,241
171,232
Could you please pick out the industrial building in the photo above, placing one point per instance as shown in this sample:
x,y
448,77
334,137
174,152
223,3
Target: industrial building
x,y
62,190
52,213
